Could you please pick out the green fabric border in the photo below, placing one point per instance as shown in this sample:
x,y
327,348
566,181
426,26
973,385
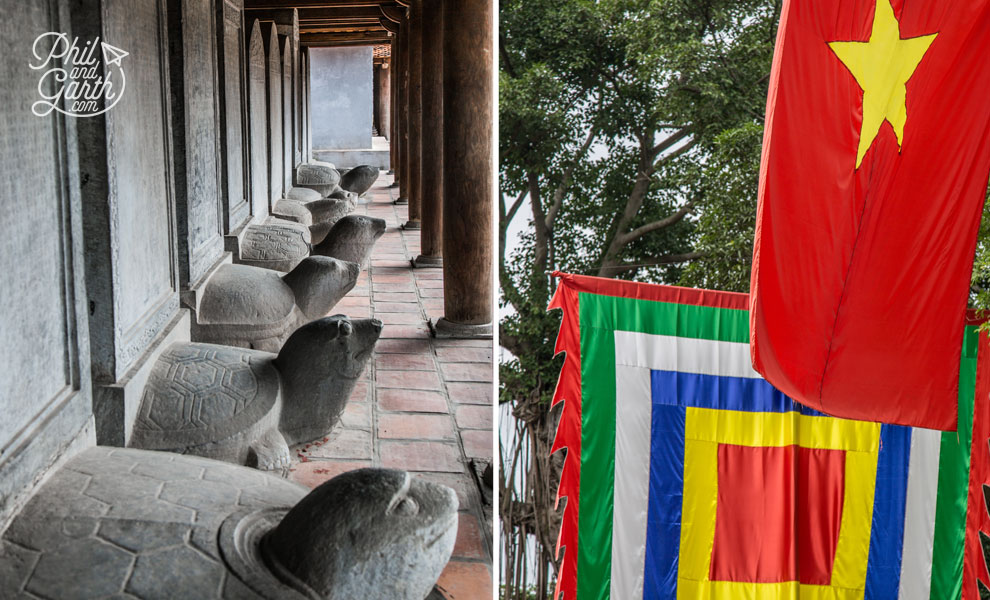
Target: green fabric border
x,y
599,317
953,484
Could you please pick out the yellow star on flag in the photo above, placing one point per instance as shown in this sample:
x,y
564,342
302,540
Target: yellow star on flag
x,y
882,67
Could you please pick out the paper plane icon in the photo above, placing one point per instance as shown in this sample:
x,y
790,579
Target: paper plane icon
x,y
112,55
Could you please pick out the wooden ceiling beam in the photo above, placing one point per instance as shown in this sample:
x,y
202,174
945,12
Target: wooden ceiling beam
x,y
374,28
344,12
325,39
392,12
390,26
301,4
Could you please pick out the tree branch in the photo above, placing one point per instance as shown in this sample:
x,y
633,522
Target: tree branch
x,y
635,234
515,207
613,270
565,182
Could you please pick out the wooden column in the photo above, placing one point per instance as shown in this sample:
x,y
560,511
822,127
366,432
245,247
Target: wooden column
x,y
403,112
393,140
414,155
467,173
431,183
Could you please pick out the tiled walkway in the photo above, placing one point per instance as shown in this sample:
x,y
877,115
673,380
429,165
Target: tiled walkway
x,y
429,409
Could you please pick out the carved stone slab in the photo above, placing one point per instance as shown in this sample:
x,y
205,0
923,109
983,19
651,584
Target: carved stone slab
x,y
323,179
257,117
273,78
275,246
233,116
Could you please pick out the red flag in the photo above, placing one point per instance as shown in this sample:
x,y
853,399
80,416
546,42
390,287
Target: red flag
x,y
873,175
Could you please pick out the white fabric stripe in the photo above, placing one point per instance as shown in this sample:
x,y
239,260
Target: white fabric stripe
x,y
919,515
687,355
633,415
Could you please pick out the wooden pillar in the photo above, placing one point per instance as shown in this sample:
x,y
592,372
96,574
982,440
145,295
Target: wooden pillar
x,y
414,154
467,173
393,139
403,112
431,184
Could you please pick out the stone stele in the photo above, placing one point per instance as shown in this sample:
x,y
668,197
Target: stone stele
x,y
317,177
359,179
352,239
258,308
116,522
276,244
246,406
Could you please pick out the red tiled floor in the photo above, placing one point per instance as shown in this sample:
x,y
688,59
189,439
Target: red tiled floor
x,y
421,456
398,318
397,307
477,444
466,371
431,292
403,346
465,581
406,331
408,380
470,393
313,473
406,362
411,427
344,443
357,415
412,401
461,483
360,393
460,354
474,416
394,297
469,543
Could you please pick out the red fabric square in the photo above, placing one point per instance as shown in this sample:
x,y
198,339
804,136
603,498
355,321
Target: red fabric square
x,y
778,514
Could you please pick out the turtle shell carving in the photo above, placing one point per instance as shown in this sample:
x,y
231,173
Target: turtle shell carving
x,y
198,393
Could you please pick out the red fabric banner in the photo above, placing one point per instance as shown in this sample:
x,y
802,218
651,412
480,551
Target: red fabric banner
x,y
873,175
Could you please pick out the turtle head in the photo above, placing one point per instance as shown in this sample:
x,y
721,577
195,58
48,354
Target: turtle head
x,y
369,533
319,282
319,365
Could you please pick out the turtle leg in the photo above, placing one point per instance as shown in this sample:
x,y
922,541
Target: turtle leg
x,y
271,451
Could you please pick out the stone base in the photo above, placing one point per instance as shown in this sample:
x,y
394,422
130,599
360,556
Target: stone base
x,y
115,406
446,330
413,225
426,262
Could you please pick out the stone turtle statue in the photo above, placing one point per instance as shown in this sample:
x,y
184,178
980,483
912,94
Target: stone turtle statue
x,y
116,522
352,239
247,406
359,179
258,308
276,244
319,215
320,178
